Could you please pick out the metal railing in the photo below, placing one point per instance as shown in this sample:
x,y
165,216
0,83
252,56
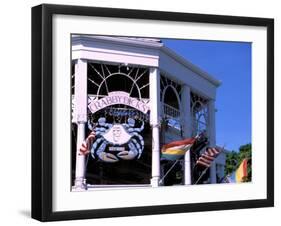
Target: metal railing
x,y
172,115
171,111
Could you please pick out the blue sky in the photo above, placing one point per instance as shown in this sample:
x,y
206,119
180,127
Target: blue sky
x,y
229,62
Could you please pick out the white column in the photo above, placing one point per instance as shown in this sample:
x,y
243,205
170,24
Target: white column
x,y
80,114
212,137
186,123
154,94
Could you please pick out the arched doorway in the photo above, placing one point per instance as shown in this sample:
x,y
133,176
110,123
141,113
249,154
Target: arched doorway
x,y
118,112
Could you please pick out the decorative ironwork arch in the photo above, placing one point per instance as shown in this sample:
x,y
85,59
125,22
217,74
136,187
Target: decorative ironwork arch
x,y
118,74
199,114
171,112
102,76
176,94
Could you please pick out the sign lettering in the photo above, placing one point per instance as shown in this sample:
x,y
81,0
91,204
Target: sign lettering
x,y
119,97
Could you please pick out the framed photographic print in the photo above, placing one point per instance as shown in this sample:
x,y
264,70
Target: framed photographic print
x,y
145,112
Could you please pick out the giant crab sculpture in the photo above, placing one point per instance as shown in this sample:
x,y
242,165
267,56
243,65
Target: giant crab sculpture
x,y
116,135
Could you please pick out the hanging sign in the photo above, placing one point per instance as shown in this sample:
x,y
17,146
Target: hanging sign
x,y
117,141
119,97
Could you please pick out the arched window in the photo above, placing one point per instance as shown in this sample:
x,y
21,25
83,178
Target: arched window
x,y
171,97
199,113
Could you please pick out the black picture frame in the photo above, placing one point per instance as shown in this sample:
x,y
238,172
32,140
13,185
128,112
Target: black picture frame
x,y
42,95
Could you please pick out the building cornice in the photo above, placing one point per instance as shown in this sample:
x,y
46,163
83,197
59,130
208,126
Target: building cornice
x,y
148,43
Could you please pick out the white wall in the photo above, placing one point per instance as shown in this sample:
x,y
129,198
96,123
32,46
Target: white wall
x,y
15,111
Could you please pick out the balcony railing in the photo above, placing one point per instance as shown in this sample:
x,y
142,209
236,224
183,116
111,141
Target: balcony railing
x,y
173,116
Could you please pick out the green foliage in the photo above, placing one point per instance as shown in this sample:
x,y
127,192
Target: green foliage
x,y
234,159
231,162
245,151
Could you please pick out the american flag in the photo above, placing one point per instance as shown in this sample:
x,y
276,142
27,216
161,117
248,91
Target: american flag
x,y
87,144
208,156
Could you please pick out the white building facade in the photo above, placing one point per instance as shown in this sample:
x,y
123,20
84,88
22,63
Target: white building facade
x,y
141,79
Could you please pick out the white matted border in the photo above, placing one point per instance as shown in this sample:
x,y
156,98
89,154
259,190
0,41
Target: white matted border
x,y
65,200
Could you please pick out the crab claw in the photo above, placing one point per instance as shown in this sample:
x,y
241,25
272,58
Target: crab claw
x,y
107,157
126,155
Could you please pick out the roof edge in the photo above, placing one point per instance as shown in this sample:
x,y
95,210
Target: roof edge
x,y
191,66
123,40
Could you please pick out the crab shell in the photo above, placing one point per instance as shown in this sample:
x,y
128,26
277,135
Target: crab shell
x,y
117,134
